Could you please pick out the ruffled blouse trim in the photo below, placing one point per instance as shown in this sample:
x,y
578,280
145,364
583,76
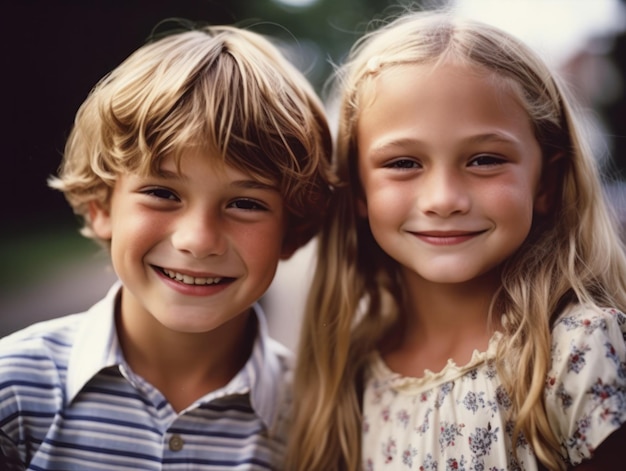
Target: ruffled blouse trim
x,y
384,377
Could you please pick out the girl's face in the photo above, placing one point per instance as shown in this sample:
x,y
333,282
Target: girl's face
x,y
450,169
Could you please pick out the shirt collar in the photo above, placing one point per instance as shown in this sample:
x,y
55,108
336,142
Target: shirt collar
x,y
96,345
269,371
266,375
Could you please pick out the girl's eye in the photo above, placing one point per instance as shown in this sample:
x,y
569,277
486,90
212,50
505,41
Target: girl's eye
x,y
486,160
161,193
403,163
248,205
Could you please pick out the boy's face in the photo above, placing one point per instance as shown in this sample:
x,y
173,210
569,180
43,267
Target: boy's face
x,y
193,249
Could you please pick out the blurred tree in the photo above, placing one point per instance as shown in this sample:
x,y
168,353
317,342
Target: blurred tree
x,y
54,51
321,30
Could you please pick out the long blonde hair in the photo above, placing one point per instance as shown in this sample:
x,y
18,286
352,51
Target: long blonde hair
x,y
225,89
573,254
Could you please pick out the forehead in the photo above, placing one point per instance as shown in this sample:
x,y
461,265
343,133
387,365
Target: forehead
x,y
439,104
186,160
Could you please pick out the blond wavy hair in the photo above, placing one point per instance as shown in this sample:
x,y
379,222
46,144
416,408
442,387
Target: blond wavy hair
x,y
574,254
225,89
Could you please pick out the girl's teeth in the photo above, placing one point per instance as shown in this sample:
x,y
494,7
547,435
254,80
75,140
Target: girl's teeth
x,y
190,280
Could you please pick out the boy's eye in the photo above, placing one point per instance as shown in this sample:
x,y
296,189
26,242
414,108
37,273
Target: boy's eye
x,y
161,193
485,159
248,204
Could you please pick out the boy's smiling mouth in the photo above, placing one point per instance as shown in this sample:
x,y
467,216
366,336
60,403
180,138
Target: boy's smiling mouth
x,y
190,280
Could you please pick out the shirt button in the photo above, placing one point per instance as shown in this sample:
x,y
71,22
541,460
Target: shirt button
x,y
176,442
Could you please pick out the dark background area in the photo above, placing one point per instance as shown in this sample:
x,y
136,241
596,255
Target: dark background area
x,y
54,51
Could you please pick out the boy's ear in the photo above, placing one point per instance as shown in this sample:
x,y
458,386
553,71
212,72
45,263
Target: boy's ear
x,y
294,238
361,207
100,218
287,251
549,184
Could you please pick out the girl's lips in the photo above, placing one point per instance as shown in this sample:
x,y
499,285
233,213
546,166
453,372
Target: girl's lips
x,y
446,238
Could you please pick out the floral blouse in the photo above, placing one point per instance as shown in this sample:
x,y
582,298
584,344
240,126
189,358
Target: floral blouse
x,y
457,419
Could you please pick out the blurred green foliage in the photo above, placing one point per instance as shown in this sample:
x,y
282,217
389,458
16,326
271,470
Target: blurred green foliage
x,y
69,44
328,27
61,47
32,253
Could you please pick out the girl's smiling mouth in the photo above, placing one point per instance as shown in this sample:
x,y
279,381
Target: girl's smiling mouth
x,y
446,237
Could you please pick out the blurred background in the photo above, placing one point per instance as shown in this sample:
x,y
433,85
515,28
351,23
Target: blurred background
x,y
54,51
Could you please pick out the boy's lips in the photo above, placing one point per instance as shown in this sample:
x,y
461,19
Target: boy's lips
x,y
193,279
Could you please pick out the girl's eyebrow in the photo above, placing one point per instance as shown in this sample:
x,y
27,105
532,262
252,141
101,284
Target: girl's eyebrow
x,y
499,136
394,143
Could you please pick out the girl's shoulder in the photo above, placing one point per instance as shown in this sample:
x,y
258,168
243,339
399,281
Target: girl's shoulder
x,y
581,320
588,341
586,386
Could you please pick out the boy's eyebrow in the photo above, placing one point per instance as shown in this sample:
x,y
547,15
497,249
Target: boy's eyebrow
x,y
244,184
168,174
253,185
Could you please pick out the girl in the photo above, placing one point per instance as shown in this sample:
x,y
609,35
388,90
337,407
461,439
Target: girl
x,y
466,310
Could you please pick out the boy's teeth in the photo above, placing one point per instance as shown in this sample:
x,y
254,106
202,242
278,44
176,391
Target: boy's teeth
x,y
191,280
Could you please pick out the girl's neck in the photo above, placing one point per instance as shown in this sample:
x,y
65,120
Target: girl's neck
x,y
442,309
440,322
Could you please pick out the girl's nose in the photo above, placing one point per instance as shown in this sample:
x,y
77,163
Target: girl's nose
x,y
443,193
200,235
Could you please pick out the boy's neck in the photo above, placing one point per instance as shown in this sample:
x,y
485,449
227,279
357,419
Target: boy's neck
x,y
185,367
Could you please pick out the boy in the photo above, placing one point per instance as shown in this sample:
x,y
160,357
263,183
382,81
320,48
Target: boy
x,y
199,162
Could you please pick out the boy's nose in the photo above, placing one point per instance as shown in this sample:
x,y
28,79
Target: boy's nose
x,y
200,235
443,193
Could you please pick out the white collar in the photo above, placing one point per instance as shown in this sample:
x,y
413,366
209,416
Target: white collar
x,y
264,375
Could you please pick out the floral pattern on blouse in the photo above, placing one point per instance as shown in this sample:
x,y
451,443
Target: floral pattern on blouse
x,y
457,419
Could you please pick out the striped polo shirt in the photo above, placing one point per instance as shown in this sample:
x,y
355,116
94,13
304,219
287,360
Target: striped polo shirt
x,y
69,401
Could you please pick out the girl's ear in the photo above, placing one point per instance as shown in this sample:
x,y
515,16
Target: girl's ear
x,y
100,219
549,184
